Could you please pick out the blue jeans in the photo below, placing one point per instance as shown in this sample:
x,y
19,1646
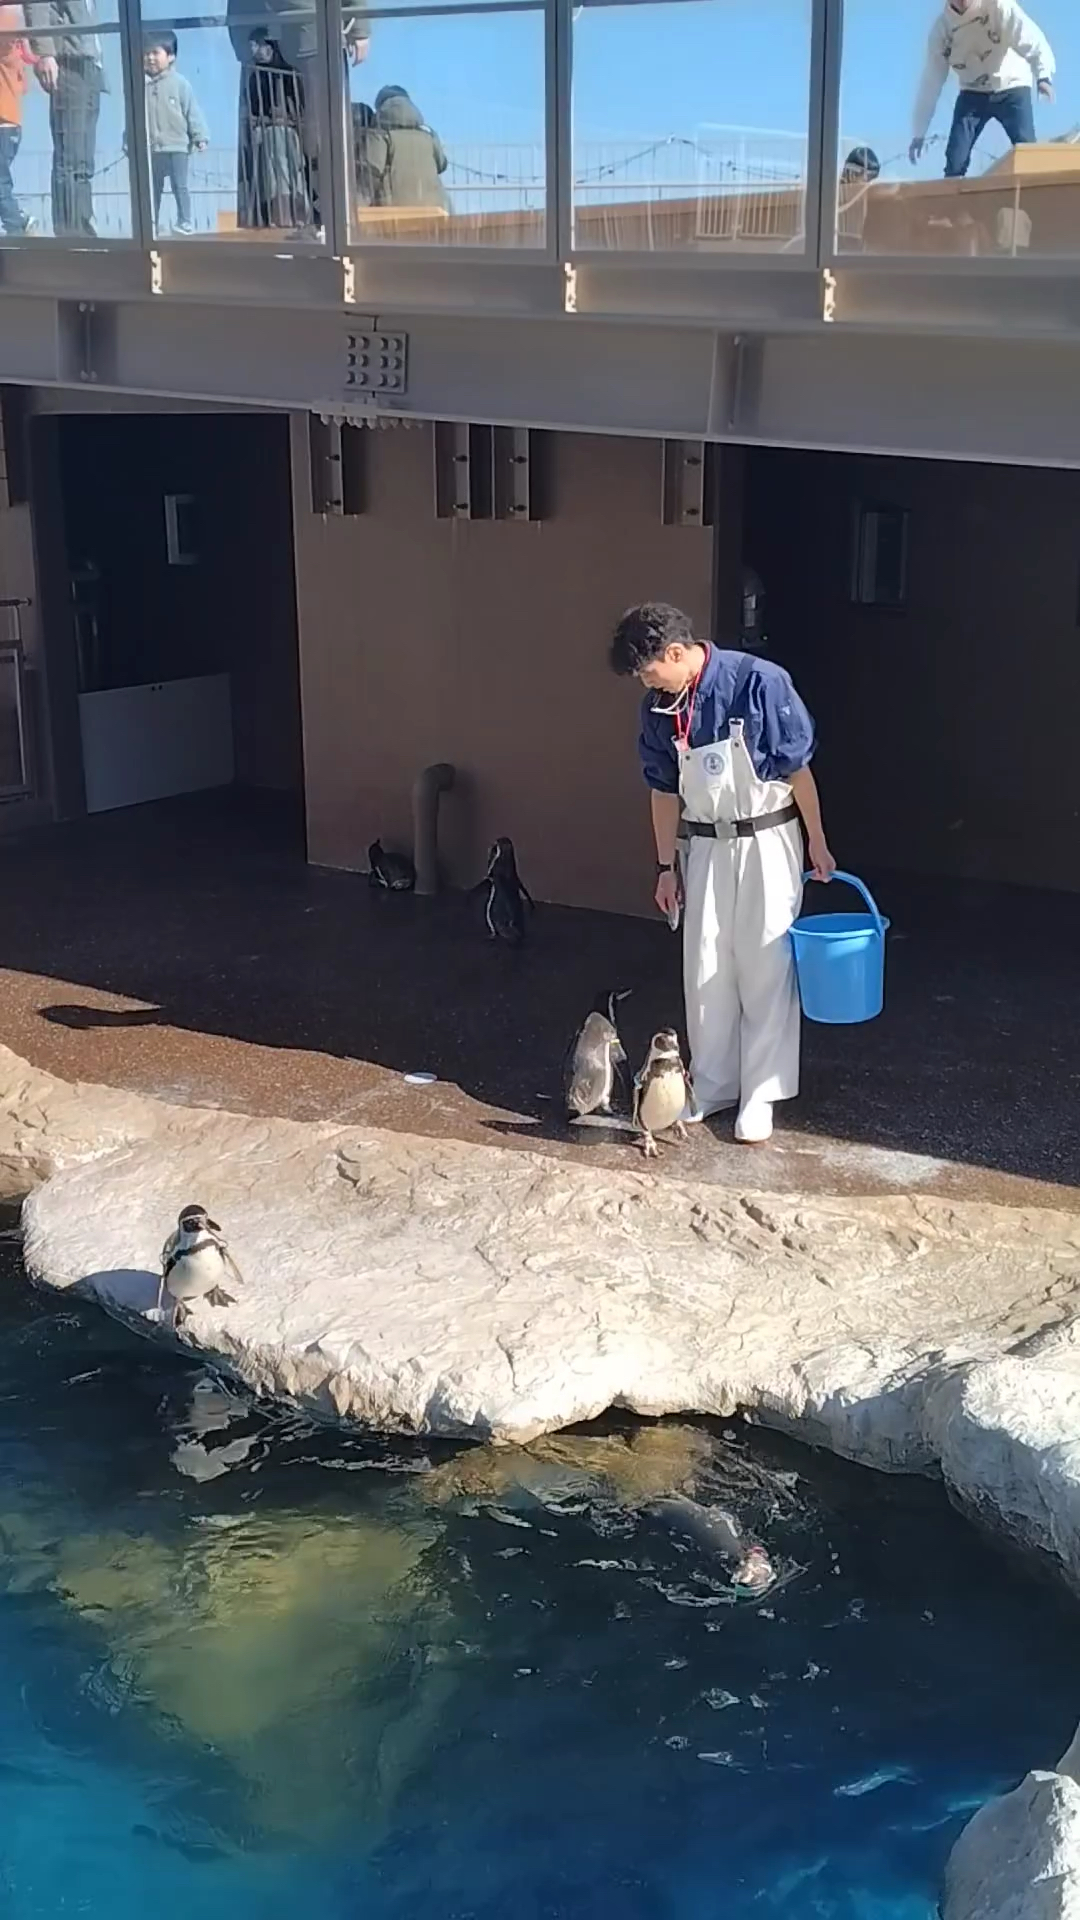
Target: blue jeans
x,y
12,217
171,169
1014,111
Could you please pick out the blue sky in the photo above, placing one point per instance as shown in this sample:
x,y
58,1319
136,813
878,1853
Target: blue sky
x,y
642,73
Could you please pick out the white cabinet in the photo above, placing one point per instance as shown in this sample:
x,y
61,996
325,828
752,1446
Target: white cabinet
x,y
147,743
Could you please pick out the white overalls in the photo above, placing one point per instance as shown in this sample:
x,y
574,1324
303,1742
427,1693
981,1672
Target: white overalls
x,y
741,895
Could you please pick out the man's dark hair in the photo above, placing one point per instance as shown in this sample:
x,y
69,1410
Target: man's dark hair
x,y
163,37
645,633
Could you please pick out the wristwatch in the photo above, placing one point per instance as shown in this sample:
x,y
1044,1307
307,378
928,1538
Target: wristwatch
x,y
665,866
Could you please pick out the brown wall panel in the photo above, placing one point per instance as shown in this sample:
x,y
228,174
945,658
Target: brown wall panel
x,y
485,643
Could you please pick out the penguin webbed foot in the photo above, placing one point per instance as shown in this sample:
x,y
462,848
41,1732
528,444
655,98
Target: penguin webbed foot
x,y
649,1147
217,1297
679,1133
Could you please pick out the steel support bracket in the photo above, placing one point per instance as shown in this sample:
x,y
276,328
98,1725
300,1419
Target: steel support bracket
x,y
516,494
684,498
85,343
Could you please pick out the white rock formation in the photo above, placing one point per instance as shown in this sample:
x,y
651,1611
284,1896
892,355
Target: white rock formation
x,y
1019,1857
430,1285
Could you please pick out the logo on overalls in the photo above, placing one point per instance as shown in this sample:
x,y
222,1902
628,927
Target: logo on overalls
x,y
714,763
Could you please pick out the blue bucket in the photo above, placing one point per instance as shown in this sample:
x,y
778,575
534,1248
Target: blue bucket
x,y
840,962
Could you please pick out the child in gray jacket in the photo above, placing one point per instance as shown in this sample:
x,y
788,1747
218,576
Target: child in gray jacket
x,y
175,126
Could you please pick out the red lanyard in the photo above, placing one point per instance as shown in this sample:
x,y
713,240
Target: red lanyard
x,y
682,731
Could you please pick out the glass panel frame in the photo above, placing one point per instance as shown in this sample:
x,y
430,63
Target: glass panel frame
x,y
273,239
112,40
802,259
834,257
354,242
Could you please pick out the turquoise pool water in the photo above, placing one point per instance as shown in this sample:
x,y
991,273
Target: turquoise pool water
x,y
252,1669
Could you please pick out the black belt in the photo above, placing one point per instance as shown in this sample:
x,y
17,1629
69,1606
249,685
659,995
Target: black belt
x,y
738,829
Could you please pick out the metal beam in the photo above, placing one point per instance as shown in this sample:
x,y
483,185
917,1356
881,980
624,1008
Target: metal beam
x,y
838,387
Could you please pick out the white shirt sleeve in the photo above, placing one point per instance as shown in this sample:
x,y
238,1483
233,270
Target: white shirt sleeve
x,y
1020,31
935,73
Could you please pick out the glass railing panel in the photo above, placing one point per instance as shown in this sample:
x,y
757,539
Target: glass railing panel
x,y
445,129
232,123
960,130
690,126
64,167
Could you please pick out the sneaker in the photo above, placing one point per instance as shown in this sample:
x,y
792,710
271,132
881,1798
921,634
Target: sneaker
x,y
755,1123
30,225
183,226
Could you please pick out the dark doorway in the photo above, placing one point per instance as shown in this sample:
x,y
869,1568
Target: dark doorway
x,y
170,626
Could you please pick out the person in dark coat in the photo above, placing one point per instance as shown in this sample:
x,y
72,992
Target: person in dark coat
x,y
415,157
273,189
70,67
369,154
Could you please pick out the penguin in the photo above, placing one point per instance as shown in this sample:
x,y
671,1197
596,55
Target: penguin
x,y
394,871
662,1092
714,1529
196,1264
595,1055
506,895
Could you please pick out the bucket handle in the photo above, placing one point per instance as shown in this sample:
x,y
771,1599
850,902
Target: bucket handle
x,y
851,880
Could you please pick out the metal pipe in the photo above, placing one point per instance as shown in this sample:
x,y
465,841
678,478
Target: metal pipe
x,y
427,788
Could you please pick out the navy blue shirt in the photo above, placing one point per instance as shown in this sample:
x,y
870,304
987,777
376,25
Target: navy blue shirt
x,y
777,729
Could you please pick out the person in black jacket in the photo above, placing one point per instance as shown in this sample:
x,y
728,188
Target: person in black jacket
x,y
273,189
293,32
69,67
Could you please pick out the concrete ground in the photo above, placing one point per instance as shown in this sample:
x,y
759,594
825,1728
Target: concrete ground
x,y
187,951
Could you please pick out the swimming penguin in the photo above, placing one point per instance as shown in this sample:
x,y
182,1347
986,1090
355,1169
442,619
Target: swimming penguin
x,y
506,895
394,871
196,1265
595,1055
662,1092
714,1529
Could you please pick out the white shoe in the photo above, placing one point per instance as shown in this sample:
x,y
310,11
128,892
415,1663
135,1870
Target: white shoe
x,y
755,1123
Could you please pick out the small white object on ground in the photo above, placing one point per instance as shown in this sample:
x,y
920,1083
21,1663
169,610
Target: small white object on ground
x,y
420,1079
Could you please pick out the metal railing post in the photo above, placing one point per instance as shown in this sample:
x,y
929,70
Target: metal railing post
x,y
335,155
825,128
559,69
142,211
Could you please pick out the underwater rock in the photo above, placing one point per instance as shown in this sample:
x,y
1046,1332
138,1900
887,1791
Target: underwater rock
x,y
266,1640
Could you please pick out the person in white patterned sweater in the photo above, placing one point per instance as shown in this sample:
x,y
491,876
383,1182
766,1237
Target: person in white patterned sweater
x,y
1001,60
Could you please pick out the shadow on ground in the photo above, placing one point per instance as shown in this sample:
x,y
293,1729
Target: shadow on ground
x,y
204,913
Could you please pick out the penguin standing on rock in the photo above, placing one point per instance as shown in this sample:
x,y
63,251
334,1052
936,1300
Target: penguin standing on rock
x,y
196,1265
506,895
394,871
594,1059
662,1092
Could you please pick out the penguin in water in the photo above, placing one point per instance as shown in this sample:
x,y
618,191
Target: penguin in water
x,y
394,871
662,1092
196,1265
506,895
595,1056
714,1529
